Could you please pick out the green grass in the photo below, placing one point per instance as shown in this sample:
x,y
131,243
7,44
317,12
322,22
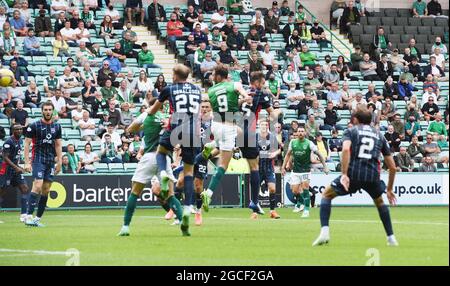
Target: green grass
x,y
228,237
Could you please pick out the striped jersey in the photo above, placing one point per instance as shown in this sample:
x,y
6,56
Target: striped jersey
x,y
43,138
261,100
13,148
367,146
267,145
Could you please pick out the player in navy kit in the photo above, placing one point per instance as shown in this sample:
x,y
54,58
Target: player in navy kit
x,y
268,151
184,99
45,137
250,150
11,174
361,150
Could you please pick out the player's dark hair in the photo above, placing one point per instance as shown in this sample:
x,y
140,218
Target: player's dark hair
x,y
363,115
181,71
256,76
221,71
47,103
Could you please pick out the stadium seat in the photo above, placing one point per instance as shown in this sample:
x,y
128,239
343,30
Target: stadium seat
x,y
404,12
375,21
388,21
390,12
370,29
406,37
414,21
101,168
116,168
428,22
410,30
401,21
396,30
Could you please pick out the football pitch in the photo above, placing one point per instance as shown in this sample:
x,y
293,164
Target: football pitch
x,y
227,237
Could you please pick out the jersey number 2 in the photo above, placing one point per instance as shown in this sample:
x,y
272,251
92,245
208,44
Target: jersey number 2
x,y
365,150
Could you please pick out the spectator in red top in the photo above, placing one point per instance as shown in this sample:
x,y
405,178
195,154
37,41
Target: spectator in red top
x,y
174,30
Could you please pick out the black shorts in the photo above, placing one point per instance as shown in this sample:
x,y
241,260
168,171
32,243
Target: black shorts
x,y
187,153
13,180
374,189
250,152
200,167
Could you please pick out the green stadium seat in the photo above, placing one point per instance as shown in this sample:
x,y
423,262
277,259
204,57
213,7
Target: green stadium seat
x,y
71,134
101,168
116,167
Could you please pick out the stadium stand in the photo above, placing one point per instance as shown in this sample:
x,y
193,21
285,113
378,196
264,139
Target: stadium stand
x,y
399,25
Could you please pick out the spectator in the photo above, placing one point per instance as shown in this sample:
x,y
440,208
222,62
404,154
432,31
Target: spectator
x,y
384,68
404,161
273,86
207,68
19,115
69,35
388,111
437,129
335,142
260,30
415,69
109,152
289,28
43,25
271,23
234,7
159,85
430,109
308,58
88,92
311,127
427,94
3,17
405,89
322,146
199,36
60,46
88,158
88,74
84,55
155,13
399,126
415,150
143,86
289,76
136,7
331,77
69,82
126,115
253,37
107,28
428,165
399,64
77,113
256,63
31,45
380,44
414,51
59,103
215,39
304,106
99,109
432,150
311,83
294,42
51,83
59,6
74,159
83,35
285,10
218,19
331,118
180,16
393,139
368,68
350,16
210,6
124,93
300,15
190,18
435,10
18,24
371,92
227,29
65,166
87,17
75,20
356,58
412,128
390,89
434,69
438,44
412,110
440,58
294,96
109,92
60,22
146,58
319,36
189,48
335,96
174,30
419,9
70,103
7,44
105,73
32,96
19,73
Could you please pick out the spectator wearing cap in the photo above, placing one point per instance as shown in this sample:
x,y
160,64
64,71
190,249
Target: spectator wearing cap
x,y
146,58
384,68
43,25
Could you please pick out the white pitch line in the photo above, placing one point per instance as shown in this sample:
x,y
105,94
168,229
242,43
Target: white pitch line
x,y
37,252
281,220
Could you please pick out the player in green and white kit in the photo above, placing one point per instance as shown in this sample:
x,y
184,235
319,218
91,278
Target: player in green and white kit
x,y
301,150
224,98
147,169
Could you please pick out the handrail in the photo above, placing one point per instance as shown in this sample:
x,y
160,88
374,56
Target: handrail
x,y
325,27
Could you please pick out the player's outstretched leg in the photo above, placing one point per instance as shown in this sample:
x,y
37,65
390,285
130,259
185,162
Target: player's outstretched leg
x,y
35,199
215,180
383,211
325,212
23,202
273,212
136,190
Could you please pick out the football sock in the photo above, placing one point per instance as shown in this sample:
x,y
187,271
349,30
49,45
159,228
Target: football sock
x,y
313,199
161,161
198,200
216,179
325,212
41,206
298,200
32,201
179,193
175,205
306,199
129,209
255,184
385,217
188,190
23,203
272,201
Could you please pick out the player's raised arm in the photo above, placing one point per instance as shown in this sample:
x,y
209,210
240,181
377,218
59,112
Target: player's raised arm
x,y
136,125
